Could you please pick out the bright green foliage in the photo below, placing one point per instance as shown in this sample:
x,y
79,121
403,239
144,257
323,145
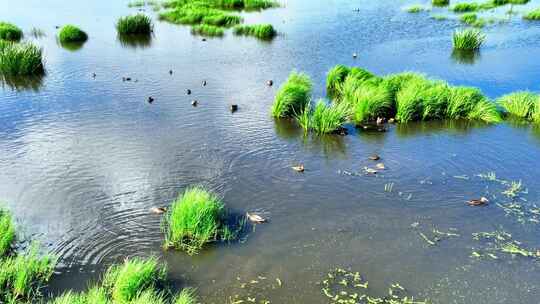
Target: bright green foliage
x,y
200,15
71,33
485,111
468,39
415,9
7,232
293,96
369,101
194,219
335,78
134,25
20,59
519,104
21,276
440,2
186,296
435,99
224,4
323,118
149,296
472,20
466,7
126,281
261,31
10,31
207,30
409,100
462,101
536,113
533,15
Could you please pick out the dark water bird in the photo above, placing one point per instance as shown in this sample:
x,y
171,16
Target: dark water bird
x,y
128,78
204,83
374,157
204,39
158,210
478,202
299,168
255,218
234,108
270,83
57,27
188,91
170,72
150,99
194,103
354,55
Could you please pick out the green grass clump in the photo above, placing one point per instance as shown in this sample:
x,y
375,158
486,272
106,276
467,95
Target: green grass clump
x,y
519,104
261,31
532,15
21,276
194,15
134,25
462,101
7,232
10,32
409,99
485,111
127,280
472,20
20,59
334,80
323,118
194,219
293,96
440,2
536,113
71,33
207,30
466,7
415,9
468,39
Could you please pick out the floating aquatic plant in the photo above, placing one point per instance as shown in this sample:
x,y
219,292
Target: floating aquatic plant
x,y
138,24
20,59
468,39
261,31
293,96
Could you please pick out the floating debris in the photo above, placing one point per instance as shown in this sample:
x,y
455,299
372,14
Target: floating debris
x,y
436,235
514,189
150,99
523,214
188,92
500,241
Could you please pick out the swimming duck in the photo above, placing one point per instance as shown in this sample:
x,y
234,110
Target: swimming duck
x,y
158,210
204,83
270,83
478,202
380,121
194,103
170,72
370,170
354,55
188,91
374,157
255,218
234,108
94,75
380,166
299,168
150,99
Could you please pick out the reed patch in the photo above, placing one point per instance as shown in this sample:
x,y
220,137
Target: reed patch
x,y
20,59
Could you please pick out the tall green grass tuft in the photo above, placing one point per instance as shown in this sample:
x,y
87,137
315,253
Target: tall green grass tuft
x,y
194,219
519,104
126,281
536,113
194,15
533,15
466,7
207,30
468,39
20,59
409,98
186,296
485,111
293,96
10,32
334,80
134,25
462,101
368,101
323,118
7,232
261,31
71,33
21,276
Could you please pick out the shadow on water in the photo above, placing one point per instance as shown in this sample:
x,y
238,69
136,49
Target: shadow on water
x,y
20,83
135,41
466,57
71,46
287,129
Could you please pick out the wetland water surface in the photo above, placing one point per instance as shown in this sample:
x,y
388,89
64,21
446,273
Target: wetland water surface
x,y
83,159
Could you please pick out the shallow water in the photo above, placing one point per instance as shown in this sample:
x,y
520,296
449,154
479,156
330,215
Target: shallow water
x,y
83,159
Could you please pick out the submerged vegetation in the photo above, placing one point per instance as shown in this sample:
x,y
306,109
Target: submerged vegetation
x,y
10,32
71,33
197,217
198,13
20,59
261,31
293,96
134,25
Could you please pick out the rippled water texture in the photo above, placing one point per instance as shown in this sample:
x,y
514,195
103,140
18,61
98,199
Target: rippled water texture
x,y
83,159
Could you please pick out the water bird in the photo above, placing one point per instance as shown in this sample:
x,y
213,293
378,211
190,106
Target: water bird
x,y
299,168
158,210
478,202
380,166
204,83
270,83
188,91
94,75
354,55
370,170
194,103
204,39
170,72
234,108
150,99
255,218
374,157
380,121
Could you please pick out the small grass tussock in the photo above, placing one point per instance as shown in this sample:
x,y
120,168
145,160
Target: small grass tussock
x,y
194,15
135,275
293,96
533,15
323,118
138,24
416,9
20,59
334,79
21,276
468,39
71,33
472,19
466,7
261,31
197,217
440,2
520,104
10,32
207,30
7,232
